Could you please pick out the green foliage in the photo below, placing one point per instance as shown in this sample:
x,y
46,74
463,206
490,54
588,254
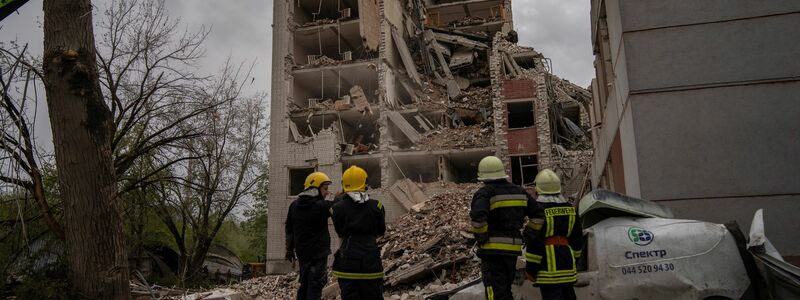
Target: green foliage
x,y
49,282
255,224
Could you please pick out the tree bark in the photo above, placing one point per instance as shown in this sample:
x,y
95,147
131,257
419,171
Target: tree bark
x,y
82,128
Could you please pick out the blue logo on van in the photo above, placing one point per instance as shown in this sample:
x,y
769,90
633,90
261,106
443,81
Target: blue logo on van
x,y
640,236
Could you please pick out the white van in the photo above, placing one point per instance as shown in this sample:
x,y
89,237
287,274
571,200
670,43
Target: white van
x,y
635,249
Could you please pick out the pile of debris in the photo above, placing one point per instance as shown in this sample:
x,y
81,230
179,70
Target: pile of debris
x,y
473,98
424,252
269,287
475,136
428,250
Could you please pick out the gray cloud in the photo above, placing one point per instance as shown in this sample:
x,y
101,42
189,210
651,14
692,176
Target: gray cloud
x,y
242,30
560,30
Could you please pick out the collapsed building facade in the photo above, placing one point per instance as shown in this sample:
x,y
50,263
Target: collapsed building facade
x,y
413,91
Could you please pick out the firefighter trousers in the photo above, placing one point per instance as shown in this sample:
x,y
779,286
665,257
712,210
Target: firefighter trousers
x,y
313,277
361,289
498,273
557,292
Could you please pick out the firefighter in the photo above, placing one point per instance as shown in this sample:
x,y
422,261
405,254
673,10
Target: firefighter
x,y
498,214
358,221
554,240
307,235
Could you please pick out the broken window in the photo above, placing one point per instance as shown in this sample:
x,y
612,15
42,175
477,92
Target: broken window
x,y
335,87
524,169
317,12
297,179
360,133
304,126
329,45
520,114
461,166
419,167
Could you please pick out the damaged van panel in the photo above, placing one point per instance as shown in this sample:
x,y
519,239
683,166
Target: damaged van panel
x,y
657,258
602,204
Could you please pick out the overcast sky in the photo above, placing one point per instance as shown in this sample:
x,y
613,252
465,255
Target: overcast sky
x,y
559,29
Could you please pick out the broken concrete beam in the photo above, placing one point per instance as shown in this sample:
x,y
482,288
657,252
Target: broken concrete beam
x,y
412,274
405,56
401,123
407,193
461,58
441,48
429,244
295,132
422,123
425,268
458,40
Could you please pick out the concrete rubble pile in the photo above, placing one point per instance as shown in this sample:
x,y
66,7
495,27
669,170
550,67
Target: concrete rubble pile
x,y
428,250
475,136
269,287
473,98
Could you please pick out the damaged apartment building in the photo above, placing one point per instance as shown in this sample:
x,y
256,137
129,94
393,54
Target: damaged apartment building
x,y
415,92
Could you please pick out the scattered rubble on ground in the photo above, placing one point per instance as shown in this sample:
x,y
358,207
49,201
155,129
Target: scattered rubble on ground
x,y
424,252
270,287
428,250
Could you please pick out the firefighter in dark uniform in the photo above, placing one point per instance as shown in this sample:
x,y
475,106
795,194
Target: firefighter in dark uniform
x,y
554,240
307,235
358,221
498,214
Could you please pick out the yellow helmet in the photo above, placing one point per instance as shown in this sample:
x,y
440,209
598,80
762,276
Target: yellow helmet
x,y
316,179
548,183
354,179
491,168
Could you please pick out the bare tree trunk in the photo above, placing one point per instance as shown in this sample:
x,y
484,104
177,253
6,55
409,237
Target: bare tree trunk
x,y
82,128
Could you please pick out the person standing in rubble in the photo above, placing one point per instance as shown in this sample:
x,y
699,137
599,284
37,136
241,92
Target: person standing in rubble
x,y
358,221
307,236
498,214
554,240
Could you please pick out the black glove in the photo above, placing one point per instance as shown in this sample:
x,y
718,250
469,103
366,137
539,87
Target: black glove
x,y
529,234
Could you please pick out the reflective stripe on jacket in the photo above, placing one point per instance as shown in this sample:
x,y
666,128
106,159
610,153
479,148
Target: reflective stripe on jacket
x,y
554,262
498,211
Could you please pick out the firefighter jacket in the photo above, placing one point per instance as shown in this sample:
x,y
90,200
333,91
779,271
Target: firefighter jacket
x,y
554,240
307,226
358,225
498,214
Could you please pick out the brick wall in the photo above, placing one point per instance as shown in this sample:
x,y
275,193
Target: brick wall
x,y
518,89
522,141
